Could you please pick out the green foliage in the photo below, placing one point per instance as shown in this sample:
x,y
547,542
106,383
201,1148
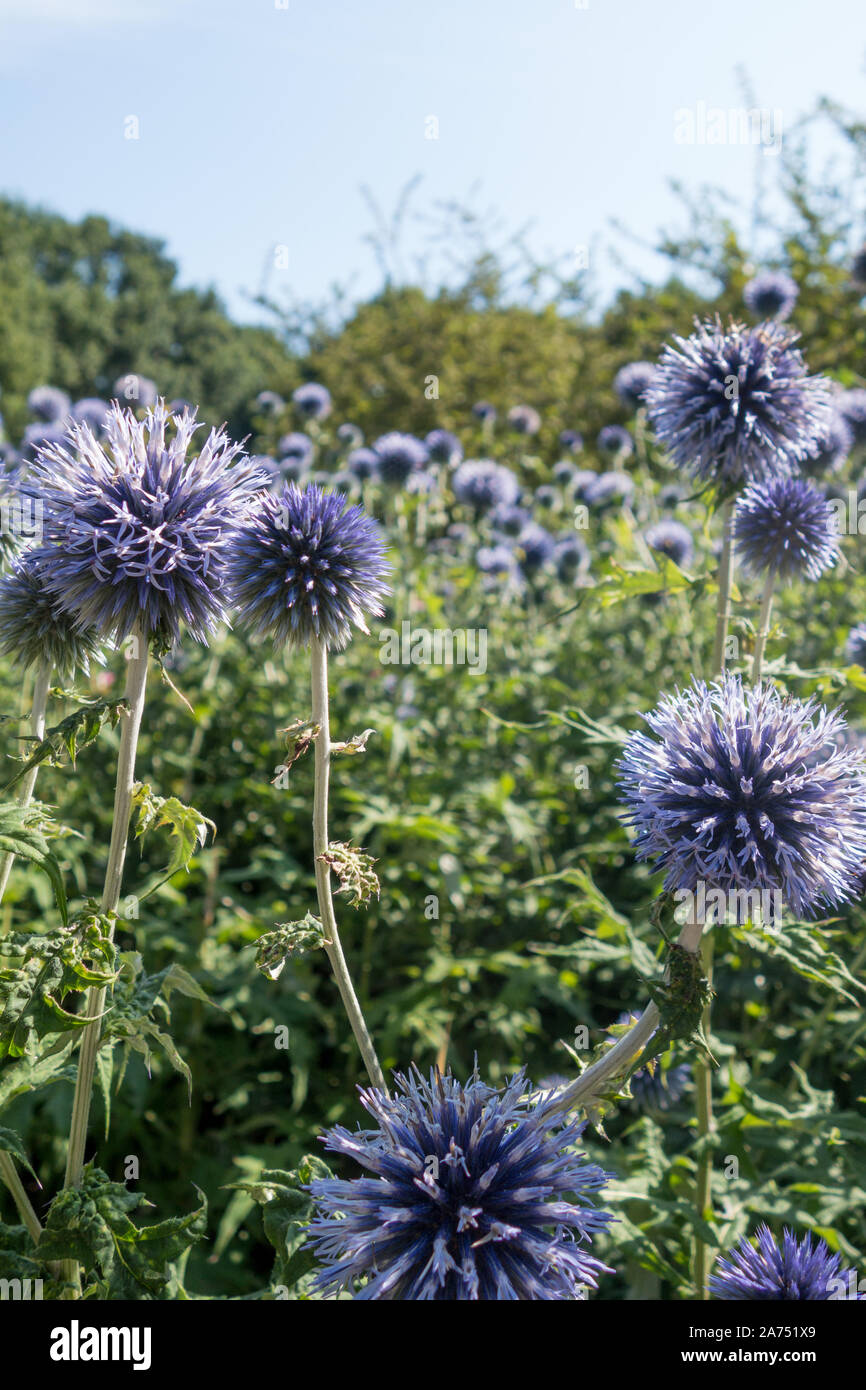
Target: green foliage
x,y
46,968
287,1208
274,948
24,832
71,734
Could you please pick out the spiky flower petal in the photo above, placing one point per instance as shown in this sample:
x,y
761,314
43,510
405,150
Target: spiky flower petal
x,y
134,530
399,455
735,404
748,789
35,629
769,1271
467,1198
305,564
788,526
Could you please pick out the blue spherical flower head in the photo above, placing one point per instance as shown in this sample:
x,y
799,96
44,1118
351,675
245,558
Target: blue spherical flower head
x,y
524,419
632,381
136,392
484,411
535,548
35,629
602,489
788,526
748,790
49,404
855,646
306,564
93,412
349,435
571,439
135,532
495,559
296,447
771,294
852,405
269,403
735,405
831,450
444,447
313,400
509,518
787,1272
571,558
657,1091
473,1194
483,485
363,463
399,455
615,439
564,472
673,539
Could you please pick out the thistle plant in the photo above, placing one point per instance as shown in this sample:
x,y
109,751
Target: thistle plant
x,y
791,1271
306,570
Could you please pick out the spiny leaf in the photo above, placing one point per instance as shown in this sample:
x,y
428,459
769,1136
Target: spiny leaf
x,y
48,966
354,869
140,1008
188,828
273,948
72,733
287,1209
12,1143
23,832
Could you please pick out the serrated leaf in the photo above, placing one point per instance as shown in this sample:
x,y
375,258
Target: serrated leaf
x,y
46,967
188,829
23,832
286,1213
71,734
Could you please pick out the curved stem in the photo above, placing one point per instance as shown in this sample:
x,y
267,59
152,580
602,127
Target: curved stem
x,y
726,576
37,728
333,946
763,626
136,682
9,1174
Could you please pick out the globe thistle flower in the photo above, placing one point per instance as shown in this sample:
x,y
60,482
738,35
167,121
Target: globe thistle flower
x,y
855,646
35,630
349,435
483,410
563,472
657,1091
768,1271
39,436
443,447
135,532
831,449
49,404
473,1194
422,483
483,485
546,495
632,381
523,419
673,539
296,447
670,497
744,789
269,403
852,405
92,411
582,481
605,488
495,559
364,463
615,439
399,455
571,558
313,400
136,392
535,548
771,294
508,518
571,439
788,526
306,564
733,405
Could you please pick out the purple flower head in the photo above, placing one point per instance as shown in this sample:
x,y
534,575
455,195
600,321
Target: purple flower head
x,y
615,439
269,403
852,405
136,392
673,539
546,495
399,455
422,483
35,629
364,463
495,559
483,485
772,294
607,488
313,400
483,410
472,1194
769,1271
657,1091
571,558
38,436
535,548
735,405
444,447
831,450
296,447
670,497
563,472
49,404
350,436
523,419
583,481
571,439
788,526
748,789
306,564
508,518
855,646
632,381
135,532
92,412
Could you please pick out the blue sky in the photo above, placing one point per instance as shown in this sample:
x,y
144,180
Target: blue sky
x,y
259,121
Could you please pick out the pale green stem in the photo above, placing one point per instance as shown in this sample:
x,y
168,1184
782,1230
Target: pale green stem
x,y
333,946
763,626
9,1174
726,575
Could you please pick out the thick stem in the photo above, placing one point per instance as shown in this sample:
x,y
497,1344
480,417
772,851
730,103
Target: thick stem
x,y
763,626
9,1174
136,682
37,728
333,946
726,576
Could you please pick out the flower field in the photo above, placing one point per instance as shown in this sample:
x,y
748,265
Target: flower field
x,y
434,807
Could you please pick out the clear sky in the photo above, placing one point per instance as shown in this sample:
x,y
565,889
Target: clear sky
x,y
259,120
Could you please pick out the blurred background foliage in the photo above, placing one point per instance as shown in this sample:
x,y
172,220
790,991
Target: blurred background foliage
x,y
511,910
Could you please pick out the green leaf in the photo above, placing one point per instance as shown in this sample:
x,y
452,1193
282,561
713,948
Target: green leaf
x,y
188,829
23,832
12,1143
140,1005
273,948
47,967
286,1213
72,733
